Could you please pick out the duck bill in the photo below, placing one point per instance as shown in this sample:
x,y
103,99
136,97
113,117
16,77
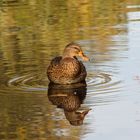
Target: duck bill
x,y
83,56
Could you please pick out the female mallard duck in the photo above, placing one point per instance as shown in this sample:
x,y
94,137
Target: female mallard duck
x,y
67,69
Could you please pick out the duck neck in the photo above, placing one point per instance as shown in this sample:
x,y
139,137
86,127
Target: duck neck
x,y
67,54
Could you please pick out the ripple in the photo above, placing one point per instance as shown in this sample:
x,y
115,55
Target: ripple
x,y
103,88
99,79
28,82
103,83
97,84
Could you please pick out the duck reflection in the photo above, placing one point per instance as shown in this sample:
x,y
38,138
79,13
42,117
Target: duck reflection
x,y
69,98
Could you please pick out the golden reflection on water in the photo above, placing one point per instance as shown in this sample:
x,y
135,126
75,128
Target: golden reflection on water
x,y
30,29
31,33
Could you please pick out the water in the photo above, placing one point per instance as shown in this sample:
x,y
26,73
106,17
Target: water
x,y
106,107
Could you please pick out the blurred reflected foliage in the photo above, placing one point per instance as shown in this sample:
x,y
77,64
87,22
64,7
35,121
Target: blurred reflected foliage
x,y
39,29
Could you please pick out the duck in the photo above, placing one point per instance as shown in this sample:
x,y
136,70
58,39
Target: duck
x,y
67,69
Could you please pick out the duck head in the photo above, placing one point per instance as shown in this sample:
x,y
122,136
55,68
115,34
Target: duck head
x,y
74,50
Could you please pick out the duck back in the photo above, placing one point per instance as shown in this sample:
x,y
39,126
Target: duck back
x,y
66,71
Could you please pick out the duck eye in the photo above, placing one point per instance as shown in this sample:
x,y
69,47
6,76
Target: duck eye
x,y
78,50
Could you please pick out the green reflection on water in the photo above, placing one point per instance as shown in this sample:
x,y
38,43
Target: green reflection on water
x,y
31,28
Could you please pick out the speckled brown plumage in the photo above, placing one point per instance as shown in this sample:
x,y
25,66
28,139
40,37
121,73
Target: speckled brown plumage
x,y
67,69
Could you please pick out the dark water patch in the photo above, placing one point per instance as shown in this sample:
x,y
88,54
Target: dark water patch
x,y
11,3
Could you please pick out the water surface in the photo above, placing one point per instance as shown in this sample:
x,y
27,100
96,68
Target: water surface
x,y
106,107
